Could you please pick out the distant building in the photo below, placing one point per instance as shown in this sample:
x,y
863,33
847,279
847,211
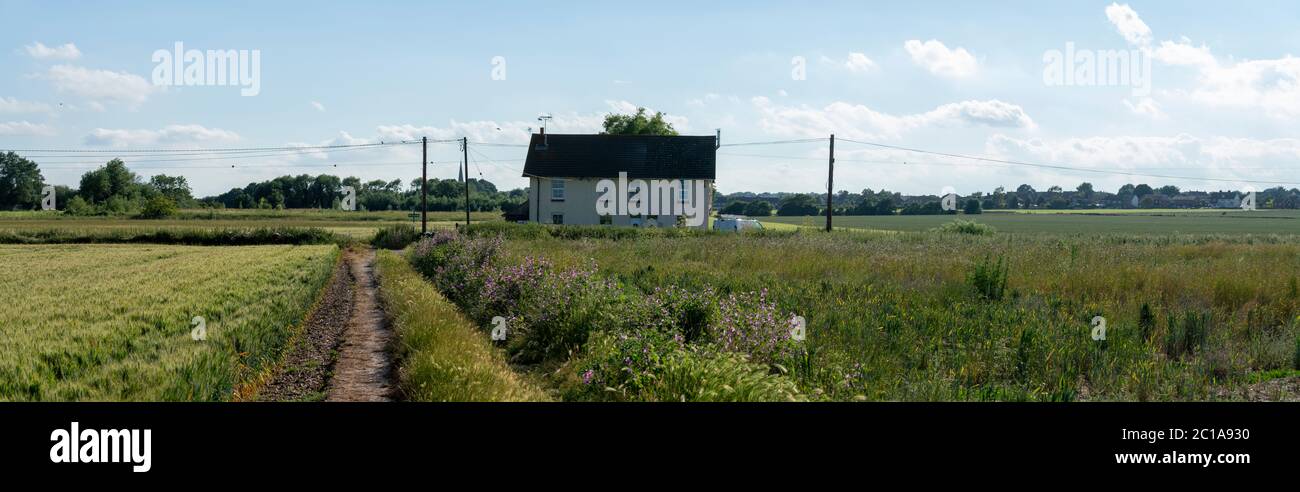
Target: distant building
x,y
563,171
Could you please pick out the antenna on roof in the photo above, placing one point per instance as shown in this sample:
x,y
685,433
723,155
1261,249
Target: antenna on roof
x,y
717,141
544,118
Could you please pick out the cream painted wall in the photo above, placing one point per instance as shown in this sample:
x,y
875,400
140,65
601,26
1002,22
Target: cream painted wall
x,y
579,204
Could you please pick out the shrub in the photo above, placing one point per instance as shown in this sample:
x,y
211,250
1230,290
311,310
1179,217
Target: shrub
x,y
1187,337
158,207
395,237
1295,359
1146,321
967,227
752,325
989,278
652,366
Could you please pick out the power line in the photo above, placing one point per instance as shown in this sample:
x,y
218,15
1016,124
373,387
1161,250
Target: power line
x,y
1060,167
775,142
200,151
222,156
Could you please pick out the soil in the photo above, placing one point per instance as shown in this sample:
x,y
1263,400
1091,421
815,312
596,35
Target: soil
x,y
342,352
364,368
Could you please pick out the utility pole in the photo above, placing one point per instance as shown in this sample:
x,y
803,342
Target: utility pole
x,y
424,185
830,184
464,148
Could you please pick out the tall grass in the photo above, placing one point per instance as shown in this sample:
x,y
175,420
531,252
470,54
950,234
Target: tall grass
x,y
441,356
892,316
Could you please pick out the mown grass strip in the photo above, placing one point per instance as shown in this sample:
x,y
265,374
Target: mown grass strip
x,y
441,356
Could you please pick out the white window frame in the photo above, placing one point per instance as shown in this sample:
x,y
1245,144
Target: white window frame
x,y
555,188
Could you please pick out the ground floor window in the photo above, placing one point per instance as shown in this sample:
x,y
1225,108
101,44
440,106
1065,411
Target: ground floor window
x,y
557,218
606,219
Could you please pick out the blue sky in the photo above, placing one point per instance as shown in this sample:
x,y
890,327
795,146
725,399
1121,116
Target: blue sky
x,y
957,77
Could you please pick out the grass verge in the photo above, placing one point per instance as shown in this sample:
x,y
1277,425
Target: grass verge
x,y
441,356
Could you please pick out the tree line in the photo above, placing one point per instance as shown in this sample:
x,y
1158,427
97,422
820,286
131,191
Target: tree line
x,y
113,189
1084,196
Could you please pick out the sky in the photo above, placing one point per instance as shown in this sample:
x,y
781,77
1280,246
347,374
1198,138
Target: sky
x,y
1209,98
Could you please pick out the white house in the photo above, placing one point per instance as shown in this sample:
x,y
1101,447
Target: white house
x,y
565,174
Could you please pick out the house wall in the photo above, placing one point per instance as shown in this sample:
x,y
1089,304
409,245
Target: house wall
x,y
579,204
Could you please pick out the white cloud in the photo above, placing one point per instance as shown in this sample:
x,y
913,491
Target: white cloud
x,y
859,121
1271,86
171,134
319,107
26,129
11,105
1128,23
858,62
1145,107
101,85
939,60
1181,155
1183,53
39,51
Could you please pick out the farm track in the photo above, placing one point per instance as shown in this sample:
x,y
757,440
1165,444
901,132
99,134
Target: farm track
x,y
305,371
364,368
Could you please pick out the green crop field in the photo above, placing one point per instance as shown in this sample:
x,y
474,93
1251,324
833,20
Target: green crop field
x,y
113,322
910,316
1078,222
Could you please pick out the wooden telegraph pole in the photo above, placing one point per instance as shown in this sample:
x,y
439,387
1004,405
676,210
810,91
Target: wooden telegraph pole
x,y
830,184
424,185
464,148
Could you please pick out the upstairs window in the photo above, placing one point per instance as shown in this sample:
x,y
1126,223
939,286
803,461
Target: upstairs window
x,y
557,189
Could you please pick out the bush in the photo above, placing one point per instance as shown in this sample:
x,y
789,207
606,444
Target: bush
x,y
1186,338
78,206
651,366
1295,362
967,227
158,207
395,237
989,278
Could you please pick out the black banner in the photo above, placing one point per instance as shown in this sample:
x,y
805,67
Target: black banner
x,y
188,440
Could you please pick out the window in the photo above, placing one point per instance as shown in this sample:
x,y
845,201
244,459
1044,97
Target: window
x,y
557,189
606,219
557,218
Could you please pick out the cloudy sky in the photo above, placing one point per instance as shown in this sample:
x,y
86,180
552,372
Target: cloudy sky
x,y
1218,108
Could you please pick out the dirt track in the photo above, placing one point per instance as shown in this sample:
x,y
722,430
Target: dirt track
x,y
364,368
342,353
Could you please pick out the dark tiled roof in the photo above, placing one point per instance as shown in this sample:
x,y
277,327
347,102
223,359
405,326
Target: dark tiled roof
x,y
604,156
